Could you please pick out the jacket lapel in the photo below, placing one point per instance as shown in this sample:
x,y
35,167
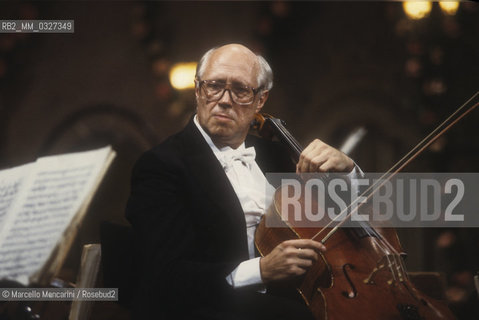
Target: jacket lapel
x,y
206,168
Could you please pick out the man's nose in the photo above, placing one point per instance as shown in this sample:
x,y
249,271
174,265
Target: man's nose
x,y
226,99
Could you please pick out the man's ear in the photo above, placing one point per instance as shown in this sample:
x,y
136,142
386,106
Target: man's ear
x,y
262,100
197,90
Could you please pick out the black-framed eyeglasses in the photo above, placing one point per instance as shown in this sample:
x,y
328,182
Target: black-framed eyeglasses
x,y
215,89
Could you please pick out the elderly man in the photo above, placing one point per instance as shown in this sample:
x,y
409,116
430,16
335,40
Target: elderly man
x,y
197,198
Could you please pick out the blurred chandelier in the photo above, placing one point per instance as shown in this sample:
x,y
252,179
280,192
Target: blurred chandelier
x,y
449,7
417,9
420,9
182,75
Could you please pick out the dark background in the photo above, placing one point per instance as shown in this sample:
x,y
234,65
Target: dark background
x,y
338,67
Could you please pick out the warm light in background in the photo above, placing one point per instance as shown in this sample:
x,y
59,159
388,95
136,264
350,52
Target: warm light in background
x,y
417,9
449,7
182,75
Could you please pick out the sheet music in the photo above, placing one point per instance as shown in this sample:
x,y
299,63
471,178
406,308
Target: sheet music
x,y
53,193
10,183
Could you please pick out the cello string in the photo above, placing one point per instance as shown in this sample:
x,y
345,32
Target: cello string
x,y
291,139
391,263
287,136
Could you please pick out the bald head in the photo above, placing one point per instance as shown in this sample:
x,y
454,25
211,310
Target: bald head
x,y
234,49
236,52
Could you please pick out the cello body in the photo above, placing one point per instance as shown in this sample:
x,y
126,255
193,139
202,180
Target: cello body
x,y
356,278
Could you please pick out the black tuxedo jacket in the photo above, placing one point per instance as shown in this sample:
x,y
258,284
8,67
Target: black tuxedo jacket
x,y
189,224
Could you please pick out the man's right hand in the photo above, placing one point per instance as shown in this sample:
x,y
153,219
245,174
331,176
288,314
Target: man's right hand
x,y
290,259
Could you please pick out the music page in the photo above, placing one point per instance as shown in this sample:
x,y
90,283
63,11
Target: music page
x,y
11,181
52,195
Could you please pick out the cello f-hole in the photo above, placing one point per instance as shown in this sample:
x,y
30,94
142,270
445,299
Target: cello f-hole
x,y
353,292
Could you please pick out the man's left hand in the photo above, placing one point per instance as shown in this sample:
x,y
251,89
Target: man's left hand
x,y
320,157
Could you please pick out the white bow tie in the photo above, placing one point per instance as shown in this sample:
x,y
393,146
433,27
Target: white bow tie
x,y
245,155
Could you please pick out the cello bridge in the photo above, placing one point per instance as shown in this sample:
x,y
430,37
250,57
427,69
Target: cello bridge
x,y
389,262
370,278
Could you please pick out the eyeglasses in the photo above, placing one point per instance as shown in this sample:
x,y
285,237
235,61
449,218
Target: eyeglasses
x,y
215,89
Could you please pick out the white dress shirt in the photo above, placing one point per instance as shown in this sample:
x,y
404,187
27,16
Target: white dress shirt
x,y
255,195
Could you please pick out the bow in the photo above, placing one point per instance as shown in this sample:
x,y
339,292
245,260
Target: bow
x,y
245,155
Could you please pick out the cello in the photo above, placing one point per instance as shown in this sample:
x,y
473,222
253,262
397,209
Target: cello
x,y
362,274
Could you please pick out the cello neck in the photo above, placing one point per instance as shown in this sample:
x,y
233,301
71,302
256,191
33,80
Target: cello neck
x,y
269,128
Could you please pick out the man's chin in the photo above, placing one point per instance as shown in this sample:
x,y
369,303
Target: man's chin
x,y
220,128
220,133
